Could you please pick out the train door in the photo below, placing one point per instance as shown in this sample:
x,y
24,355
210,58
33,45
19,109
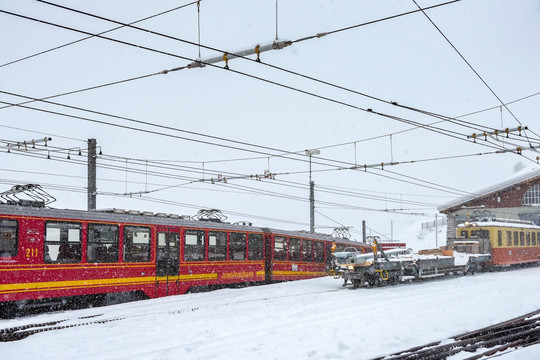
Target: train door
x,y
167,262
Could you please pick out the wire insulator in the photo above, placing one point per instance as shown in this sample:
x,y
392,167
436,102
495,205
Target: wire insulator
x,y
258,52
226,59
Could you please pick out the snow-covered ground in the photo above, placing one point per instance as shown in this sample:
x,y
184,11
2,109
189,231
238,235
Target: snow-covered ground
x,y
310,319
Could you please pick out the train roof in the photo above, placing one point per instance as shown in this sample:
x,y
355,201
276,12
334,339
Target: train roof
x,y
500,223
149,218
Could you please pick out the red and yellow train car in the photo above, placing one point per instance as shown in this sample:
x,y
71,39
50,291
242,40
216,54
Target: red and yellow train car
x,y
50,256
510,242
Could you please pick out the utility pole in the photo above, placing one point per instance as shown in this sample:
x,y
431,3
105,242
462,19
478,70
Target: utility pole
x,y
311,192
364,237
92,187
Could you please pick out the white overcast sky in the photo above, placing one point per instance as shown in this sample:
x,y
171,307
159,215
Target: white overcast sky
x,y
404,59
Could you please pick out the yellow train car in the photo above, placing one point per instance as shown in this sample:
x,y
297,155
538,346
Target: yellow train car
x,y
509,242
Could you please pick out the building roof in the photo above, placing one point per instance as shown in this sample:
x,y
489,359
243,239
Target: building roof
x,y
519,177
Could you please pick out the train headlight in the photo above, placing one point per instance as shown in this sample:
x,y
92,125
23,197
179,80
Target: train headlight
x,y
350,267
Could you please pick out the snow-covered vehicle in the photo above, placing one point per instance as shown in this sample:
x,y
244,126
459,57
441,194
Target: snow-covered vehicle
x,y
396,265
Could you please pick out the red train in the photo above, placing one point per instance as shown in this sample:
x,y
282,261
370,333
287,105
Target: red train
x,y
53,256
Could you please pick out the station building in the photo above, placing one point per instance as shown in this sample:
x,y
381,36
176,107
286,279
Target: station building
x,y
517,198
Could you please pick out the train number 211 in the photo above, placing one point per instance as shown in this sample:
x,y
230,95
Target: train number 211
x,y
32,253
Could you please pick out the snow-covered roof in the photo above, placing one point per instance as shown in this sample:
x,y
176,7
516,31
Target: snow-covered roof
x,y
516,179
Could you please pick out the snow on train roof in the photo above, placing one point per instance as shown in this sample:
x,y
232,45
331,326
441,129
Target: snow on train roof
x,y
516,179
514,224
143,217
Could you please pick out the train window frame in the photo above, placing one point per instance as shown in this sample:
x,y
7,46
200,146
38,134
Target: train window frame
x,y
237,246
508,237
280,253
255,247
533,238
195,250
521,238
294,249
106,250
62,239
217,245
499,238
5,251
304,252
318,254
516,238
135,248
528,238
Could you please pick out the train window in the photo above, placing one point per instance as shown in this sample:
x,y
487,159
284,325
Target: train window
x,y
508,238
8,238
464,234
499,237
280,247
318,251
136,244
528,238
217,246
167,253
102,243
256,246
516,238
483,234
294,249
533,235
62,242
307,250
238,246
194,245
521,238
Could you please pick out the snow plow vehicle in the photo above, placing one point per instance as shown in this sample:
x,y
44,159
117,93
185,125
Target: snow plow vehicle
x,y
398,265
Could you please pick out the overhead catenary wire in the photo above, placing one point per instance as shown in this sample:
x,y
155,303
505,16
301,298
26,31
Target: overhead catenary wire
x,y
101,33
258,78
152,132
468,64
270,65
192,180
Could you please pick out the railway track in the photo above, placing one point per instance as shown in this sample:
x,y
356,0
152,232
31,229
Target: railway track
x,y
23,331
507,336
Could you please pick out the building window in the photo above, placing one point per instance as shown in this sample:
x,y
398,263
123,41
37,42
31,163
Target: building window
x,y
8,238
532,196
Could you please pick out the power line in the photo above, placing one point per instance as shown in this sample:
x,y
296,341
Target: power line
x,y
101,33
468,64
429,127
